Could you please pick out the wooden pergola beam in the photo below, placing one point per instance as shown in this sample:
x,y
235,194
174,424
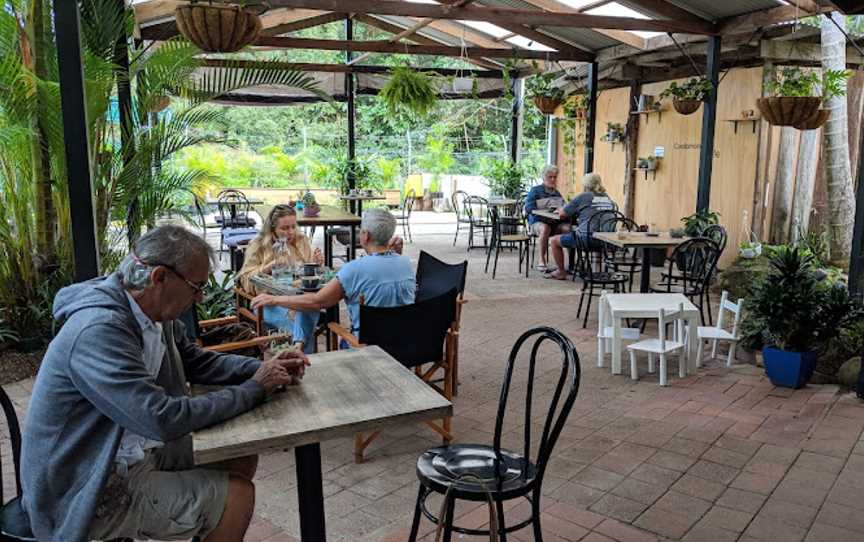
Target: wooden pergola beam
x,y
413,49
767,17
623,36
501,16
274,23
347,68
301,24
542,38
809,6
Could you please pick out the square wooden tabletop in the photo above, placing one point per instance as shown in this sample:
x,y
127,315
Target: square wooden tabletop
x,y
329,216
634,239
343,393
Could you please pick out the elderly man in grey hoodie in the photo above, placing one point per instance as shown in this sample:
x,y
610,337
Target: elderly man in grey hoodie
x,y
106,446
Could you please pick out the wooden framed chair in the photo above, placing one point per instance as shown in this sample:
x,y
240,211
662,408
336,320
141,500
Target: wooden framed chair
x,y
662,346
421,337
719,333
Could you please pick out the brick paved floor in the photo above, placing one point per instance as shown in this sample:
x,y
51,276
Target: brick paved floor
x,y
721,455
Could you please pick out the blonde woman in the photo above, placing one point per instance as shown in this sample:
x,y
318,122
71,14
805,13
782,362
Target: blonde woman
x,y
281,223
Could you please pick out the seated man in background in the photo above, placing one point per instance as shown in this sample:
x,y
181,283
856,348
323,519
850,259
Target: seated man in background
x,y
384,278
545,196
107,451
584,207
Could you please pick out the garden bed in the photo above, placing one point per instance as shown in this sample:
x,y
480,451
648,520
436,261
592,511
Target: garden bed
x,y
15,366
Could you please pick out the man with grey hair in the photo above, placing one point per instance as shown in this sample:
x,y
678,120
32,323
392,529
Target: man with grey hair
x,y
545,196
107,451
383,278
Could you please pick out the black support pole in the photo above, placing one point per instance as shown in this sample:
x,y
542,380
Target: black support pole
x,y
709,120
856,259
591,125
349,95
124,91
86,253
516,119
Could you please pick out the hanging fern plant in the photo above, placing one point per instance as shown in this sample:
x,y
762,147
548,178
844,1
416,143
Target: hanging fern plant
x,y
409,92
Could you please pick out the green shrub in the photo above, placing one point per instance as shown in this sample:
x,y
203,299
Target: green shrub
x,y
218,300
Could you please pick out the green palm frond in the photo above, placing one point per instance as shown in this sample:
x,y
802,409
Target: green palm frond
x,y
103,24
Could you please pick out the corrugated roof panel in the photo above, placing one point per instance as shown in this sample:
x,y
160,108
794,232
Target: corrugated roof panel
x,y
726,8
584,37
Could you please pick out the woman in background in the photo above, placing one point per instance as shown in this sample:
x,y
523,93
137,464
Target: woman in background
x,y
281,224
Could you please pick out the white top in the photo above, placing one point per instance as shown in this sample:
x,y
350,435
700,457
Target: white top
x,y
132,446
647,305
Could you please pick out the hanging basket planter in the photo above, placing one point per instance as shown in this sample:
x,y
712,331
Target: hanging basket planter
x,y
814,122
546,105
686,107
788,110
218,28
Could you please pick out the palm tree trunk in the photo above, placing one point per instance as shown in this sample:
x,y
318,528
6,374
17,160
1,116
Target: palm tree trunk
x,y
838,172
784,187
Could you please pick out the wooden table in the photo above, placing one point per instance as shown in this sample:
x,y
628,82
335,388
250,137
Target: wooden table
x,y
332,216
344,392
359,199
501,202
547,214
622,306
644,241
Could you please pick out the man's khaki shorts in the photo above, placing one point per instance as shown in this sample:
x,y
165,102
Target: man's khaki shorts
x,y
161,504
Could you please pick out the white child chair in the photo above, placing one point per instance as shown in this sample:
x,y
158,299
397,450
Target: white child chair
x,y
604,330
662,346
718,333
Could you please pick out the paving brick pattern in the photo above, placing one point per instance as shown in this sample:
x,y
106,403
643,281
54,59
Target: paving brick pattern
x,y
720,455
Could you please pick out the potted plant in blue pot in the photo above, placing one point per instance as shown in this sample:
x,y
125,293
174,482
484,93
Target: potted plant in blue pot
x,y
798,313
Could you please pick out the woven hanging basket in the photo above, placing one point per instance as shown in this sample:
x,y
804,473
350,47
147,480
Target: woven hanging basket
x,y
788,110
686,107
814,122
218,28
546,105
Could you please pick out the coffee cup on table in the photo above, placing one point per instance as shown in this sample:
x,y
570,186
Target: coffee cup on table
x,y
310,269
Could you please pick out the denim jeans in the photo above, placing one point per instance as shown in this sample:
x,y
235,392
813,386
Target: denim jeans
x,y
302,326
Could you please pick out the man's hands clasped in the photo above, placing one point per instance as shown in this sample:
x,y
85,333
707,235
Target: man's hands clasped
x,y
285,369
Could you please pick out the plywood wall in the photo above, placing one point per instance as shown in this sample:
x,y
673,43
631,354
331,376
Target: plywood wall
x,y
671,194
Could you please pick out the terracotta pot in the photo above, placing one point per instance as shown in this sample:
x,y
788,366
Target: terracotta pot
x,y
546,105
218,28
788,110
686,107
814,122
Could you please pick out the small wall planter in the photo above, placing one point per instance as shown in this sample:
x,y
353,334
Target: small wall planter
x,y
789,110
686,107
546,105
218,28
788,369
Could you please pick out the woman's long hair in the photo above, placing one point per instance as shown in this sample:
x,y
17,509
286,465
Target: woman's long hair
x,y
262,245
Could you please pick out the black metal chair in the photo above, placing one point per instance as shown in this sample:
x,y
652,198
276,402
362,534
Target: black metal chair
x,y
234,216
416,335
476,472
404,216
503,238
689,270
458,201
477,210
14,523
435,278
602,280
621,260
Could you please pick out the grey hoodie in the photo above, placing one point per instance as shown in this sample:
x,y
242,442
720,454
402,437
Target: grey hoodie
x,y
92,385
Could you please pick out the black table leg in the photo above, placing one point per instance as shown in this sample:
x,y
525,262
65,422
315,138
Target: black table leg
x,y
359,207
352,252
328,248
645,280
310,491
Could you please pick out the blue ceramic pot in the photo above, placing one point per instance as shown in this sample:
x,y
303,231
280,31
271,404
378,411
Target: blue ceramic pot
x,y
788,369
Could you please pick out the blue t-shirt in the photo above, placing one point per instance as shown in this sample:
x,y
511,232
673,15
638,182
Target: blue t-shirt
x,y
540,198
384,280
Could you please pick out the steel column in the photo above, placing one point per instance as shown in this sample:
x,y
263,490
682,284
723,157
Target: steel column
x,y
591,124
551,140
709,120
856,258
349,95
71,71
518,89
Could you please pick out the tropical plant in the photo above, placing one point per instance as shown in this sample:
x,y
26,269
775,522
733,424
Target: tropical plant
x,y
218,298
409,92
543,85
696,88
696,223
7,333
504,178
438,156
794,82
364,176
388,170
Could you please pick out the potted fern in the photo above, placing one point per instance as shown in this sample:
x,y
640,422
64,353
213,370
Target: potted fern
x,y
546,95
687,97
796,101
409,92
696,223
217,28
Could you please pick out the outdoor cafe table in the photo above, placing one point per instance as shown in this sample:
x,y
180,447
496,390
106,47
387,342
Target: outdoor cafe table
x,y
232,204
333,216
266,284
644,241
343,392
624,306
547,214
360,198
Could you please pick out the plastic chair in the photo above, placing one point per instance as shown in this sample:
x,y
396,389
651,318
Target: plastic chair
x,y
662,346
718,333
477,472
415,335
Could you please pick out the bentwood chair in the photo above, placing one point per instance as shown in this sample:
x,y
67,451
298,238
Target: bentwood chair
x,y
477,210
419,336
621,260
459,207
593,282
434,278
483,473
404,216
504,236
14,523
689,270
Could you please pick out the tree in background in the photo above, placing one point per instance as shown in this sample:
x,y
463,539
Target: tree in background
x,y
438,156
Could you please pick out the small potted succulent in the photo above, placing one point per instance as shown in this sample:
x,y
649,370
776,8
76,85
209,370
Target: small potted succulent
x,y
546,95
217,28
614,132
796,101
649,163
687,97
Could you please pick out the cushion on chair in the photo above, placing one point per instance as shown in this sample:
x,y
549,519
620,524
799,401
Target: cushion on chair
x,y
14,522
441,467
